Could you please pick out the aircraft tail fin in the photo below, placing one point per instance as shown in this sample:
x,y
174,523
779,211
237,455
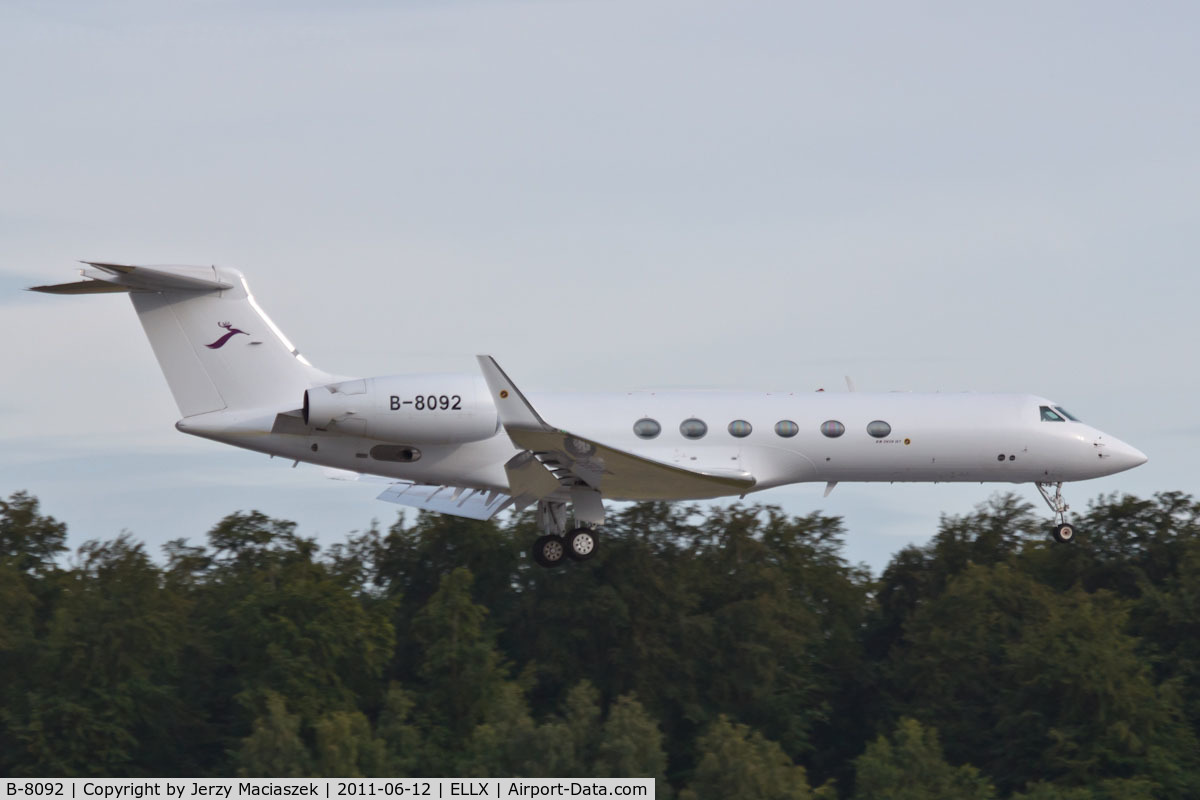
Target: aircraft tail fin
x,y
215,345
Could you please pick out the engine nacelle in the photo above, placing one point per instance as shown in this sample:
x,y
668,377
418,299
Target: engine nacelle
x,y
406,409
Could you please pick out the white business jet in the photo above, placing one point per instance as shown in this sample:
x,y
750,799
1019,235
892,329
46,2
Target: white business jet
x,y
474,445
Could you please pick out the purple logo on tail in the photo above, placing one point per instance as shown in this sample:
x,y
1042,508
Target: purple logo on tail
x,y
221,342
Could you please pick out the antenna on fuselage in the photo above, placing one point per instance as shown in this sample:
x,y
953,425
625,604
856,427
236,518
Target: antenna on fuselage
x,y
850,384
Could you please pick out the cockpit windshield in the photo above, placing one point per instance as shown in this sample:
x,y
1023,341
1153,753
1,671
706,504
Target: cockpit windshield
x,y
1066,413
1050,415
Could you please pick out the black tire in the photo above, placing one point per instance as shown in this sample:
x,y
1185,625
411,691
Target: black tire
x,y
1064,533
549,551
581,544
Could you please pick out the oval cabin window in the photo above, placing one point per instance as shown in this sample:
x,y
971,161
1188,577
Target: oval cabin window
x,y
740,428
878,428
646,428
832,428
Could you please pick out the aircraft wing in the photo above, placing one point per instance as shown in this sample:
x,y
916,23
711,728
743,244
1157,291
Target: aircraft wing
x,y
457,501
571,458
454,500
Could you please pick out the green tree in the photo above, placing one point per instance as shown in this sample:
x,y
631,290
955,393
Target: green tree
x,y
737,763
567,743
16,625
298,632
1062,673
277,621
274,749
505,743
1110,789
762,652
739,610
623,622
1167,618
577,733
254,542
60,736
403,740
910,766
29,542
346,747
630,744
995,532
1032,684
410,562
1149,552
462,675
104,699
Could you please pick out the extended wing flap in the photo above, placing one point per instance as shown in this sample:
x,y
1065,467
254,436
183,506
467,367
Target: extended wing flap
x,y
529,480
456,501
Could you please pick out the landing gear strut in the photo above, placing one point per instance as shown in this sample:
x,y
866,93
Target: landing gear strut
x,y
558,544
1062,530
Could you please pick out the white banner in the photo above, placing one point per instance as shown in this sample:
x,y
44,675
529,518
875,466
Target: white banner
x,y
235,789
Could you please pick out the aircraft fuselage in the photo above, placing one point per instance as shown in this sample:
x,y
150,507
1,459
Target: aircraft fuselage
x,y
930,437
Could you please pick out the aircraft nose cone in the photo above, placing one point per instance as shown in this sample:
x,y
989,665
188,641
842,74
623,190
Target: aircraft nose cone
x,y
1136,457
1123,456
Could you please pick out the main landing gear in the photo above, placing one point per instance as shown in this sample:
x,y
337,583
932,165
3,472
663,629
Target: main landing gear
x,y
559,544
551,550
1062,531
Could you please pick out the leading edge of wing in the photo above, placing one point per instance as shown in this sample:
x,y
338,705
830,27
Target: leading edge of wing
x,y
617,473
514,409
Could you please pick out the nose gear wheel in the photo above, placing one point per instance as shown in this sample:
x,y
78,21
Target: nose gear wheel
x,y
1062,531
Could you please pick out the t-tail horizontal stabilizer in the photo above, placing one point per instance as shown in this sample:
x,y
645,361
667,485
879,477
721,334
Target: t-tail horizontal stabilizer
x,y
573,459
127,278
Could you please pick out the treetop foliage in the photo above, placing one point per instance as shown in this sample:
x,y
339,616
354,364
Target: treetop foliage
x,y
727,652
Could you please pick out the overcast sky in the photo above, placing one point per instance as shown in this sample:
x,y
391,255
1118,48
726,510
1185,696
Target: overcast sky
x,y
605,196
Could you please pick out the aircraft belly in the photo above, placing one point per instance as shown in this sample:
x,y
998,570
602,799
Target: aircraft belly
x,y
476,464
633,492
928,455
777,466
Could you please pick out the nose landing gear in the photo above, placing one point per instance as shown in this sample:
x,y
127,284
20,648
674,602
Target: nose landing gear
x,y
1062,531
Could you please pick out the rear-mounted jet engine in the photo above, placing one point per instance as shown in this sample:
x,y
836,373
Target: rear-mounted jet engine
x,y
408,409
